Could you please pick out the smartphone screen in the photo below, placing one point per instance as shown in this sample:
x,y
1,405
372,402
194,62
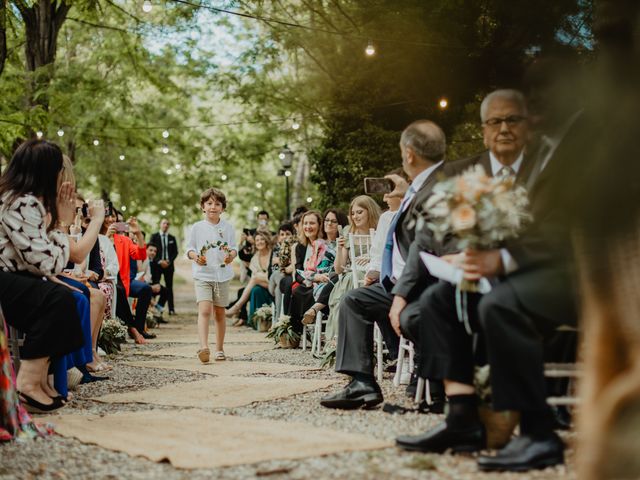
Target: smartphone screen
x,y
378,185
121,227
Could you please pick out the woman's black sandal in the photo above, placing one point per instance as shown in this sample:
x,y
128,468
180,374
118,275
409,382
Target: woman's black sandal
x,y
34,406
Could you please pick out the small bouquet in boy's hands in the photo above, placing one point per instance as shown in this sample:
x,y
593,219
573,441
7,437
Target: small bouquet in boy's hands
x,y
480,211
223,246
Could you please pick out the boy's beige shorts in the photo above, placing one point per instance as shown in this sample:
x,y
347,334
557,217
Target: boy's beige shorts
x,y
216,292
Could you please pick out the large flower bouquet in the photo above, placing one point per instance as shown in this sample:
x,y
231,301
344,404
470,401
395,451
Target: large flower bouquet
x,y
112,334
480,211
222,246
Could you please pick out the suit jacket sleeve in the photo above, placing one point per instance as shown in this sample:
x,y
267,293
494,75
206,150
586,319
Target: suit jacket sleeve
x,y
173,248
95,263
415,275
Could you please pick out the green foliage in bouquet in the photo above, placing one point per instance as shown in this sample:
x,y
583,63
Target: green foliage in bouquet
x,y
222,246
328,359
283,329
112,335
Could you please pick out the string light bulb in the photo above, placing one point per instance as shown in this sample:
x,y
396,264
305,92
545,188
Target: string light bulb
x,y
165,149
178,166
165,134
39,134
287,173
146,6
123,208
370,51
255,209
96,142
121,157
163,212
309,199
281,156
258,185
169,171
443,103
295,125
61,133
223,177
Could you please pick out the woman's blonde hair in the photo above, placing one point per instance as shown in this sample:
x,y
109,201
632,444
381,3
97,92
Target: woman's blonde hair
x,y
372,208
267,238
67,174
302,238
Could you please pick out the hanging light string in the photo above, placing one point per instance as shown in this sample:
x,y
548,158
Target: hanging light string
x,y
355,36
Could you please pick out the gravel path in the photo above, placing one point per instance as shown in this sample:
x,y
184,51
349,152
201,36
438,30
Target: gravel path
x,y
64,458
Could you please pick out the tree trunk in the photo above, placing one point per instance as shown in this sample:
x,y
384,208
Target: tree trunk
x,y
3,34
43,22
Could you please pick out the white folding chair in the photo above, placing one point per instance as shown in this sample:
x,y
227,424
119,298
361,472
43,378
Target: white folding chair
x,y
405,349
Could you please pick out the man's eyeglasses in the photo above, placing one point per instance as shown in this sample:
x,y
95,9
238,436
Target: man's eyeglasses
x,y
511,121
330,221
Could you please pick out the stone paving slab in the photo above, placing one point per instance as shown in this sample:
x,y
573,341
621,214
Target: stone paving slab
x,y
226,368
196,439
219,392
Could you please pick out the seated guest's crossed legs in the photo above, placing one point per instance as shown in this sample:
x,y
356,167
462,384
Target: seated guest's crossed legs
x,y
141,291
46,313
360,309
515,350
446,353
514,339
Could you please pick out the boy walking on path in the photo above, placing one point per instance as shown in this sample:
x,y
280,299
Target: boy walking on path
x,y
212,247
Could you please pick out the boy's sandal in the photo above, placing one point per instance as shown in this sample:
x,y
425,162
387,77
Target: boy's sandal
x,y
309,316
203,355
220,356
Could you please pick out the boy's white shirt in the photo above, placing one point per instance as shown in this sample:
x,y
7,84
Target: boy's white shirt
x,y
203,232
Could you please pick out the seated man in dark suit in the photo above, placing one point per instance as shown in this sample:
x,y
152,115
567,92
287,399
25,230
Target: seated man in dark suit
x,y
534,295
422,146
505,140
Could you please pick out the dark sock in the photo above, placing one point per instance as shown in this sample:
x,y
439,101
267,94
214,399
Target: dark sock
x,y
463,412
436,390
537,423
363,377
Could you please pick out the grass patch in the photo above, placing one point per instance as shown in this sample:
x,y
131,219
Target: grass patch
x,y
423,462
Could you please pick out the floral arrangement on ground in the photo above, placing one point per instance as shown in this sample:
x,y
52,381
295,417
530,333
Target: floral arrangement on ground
x,y
112,334
282,332
262,318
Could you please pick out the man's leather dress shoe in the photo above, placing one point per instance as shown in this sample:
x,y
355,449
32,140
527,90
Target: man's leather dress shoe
x,y
442,438
357,394
525,453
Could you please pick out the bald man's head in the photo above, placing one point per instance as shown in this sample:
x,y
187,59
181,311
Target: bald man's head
x,y
426,139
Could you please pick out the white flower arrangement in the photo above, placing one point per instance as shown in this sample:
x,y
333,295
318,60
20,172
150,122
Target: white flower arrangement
x,y
112,334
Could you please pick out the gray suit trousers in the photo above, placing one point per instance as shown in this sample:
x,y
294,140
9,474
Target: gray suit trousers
x,y
359,310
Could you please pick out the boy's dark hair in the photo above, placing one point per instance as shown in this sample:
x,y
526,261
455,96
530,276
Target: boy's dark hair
x,y
263,212
153,245
287,227
214,193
